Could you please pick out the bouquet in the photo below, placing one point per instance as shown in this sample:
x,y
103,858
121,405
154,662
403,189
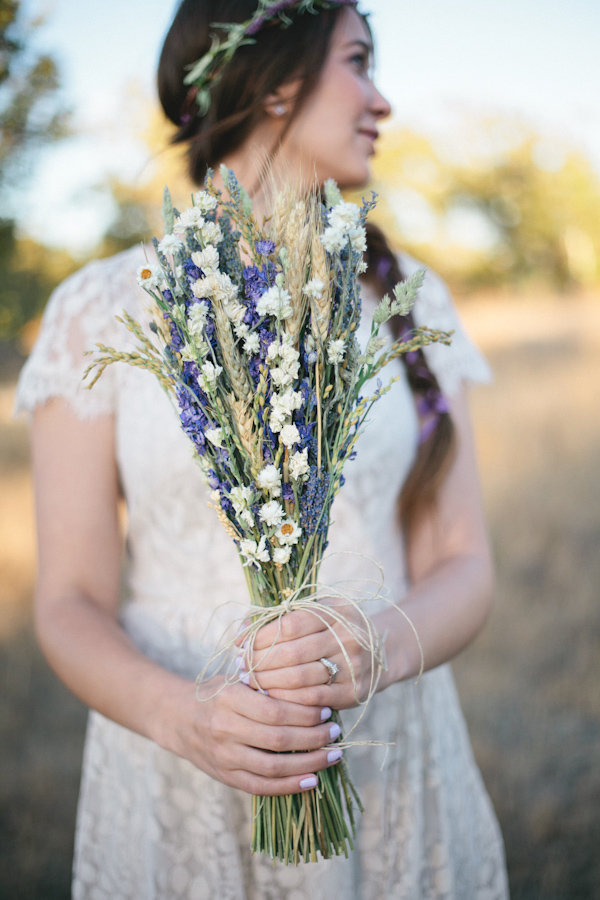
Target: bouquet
x,y
253,336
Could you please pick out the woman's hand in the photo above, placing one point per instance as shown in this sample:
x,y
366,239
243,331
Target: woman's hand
x,y
286,659
245,739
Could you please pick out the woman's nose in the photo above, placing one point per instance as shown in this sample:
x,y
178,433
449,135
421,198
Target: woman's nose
x,y
379,105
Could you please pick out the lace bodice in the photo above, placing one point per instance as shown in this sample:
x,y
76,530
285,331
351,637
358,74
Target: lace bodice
x,y
185,585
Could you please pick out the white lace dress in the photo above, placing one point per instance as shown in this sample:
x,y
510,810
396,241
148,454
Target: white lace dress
x,y
151,826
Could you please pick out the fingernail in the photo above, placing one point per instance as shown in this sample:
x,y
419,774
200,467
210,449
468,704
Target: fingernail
x,y
245,644
246,680
334,755
240,663
308,782
325,713
334,732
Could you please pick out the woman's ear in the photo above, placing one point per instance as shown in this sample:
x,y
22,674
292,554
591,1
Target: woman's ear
x,y
280,103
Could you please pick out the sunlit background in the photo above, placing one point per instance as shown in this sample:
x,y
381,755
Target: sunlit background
x,y
489,171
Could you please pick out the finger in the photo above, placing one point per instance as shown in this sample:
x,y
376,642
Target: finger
x,y
285,738
331,695
289,627
291,678
270,711
286,765
293,653
262,786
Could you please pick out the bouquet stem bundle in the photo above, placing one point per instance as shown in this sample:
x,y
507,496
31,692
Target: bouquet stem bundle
x,y
253,336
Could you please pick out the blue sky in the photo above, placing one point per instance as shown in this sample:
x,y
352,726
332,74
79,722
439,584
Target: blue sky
x,y
535,58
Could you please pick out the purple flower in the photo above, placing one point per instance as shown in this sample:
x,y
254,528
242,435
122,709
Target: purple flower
x,y
287,491
313,514
265,248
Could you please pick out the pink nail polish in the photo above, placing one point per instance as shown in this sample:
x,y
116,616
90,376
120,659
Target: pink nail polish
x,y
246,680
308,782
240,663
334,755
334,732
325,714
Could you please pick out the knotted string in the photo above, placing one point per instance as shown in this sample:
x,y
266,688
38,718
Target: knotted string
x,y
309,597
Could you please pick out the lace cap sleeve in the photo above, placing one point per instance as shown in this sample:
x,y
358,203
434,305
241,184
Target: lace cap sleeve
x,y
80,313
461,361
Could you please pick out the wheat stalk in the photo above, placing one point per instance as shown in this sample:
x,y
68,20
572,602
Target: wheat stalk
x,y
321,307
297,242
238,373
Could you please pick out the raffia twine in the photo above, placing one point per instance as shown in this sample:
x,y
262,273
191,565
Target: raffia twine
x,y
363,632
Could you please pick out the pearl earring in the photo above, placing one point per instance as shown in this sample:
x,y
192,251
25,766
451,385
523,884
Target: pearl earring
x,y
279,110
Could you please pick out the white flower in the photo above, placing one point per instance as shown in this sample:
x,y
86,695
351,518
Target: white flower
x,y
344,216
197,318
277,348
275,302
241,329
288,532
211,233
281,555
205,201
289,435
189,218
207,259
335,352
358,239
288,354
149,276
361,267
210,373
269,479
241,497
170,244
252,343
271,513
247,518
188,353
254,553
282,406
334,240
215,436
282,377
202,288
311,349
222,287
314,288
299,464
235,312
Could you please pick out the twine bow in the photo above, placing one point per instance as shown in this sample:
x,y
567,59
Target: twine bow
x,y
309,597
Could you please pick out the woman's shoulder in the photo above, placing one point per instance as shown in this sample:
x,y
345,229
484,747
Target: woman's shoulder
x,y
101,280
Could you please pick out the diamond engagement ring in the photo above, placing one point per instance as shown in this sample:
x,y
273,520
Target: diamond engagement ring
x,y
331,667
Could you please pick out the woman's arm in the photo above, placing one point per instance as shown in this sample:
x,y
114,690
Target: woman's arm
x,y
77,599
450,570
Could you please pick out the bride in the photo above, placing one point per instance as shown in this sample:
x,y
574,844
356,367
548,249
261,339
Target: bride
x,y
164,810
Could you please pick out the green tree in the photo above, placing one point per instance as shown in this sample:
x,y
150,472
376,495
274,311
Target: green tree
x,y
31,115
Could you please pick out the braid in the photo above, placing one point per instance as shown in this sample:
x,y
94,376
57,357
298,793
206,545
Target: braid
x,y
437,439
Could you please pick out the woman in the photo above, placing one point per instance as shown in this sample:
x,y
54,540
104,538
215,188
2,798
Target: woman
x,y
164,806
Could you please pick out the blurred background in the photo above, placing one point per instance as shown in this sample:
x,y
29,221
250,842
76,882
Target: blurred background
x,y
489,171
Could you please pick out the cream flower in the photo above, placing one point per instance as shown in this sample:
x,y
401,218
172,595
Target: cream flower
x,y
269,479
202,288
189,218
207,259
289,532
298,464
314,288
252,344
247,518
344,216
334,240
358,239
211,233
205,201
289,435
281,555
275,302
208,379
222,287
215,436
253,553
170,244
188,353
241,498
271,513
197,318
335,352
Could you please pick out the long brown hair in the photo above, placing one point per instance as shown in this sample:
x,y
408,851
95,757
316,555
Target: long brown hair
x,y
281,55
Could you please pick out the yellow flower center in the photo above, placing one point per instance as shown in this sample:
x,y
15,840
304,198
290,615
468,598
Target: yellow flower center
x,y
146,273
287,529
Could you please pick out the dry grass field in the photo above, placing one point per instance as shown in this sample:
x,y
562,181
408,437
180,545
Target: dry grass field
x,y
530,683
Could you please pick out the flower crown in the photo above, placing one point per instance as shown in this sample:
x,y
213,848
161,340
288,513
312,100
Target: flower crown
x,y
207,70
